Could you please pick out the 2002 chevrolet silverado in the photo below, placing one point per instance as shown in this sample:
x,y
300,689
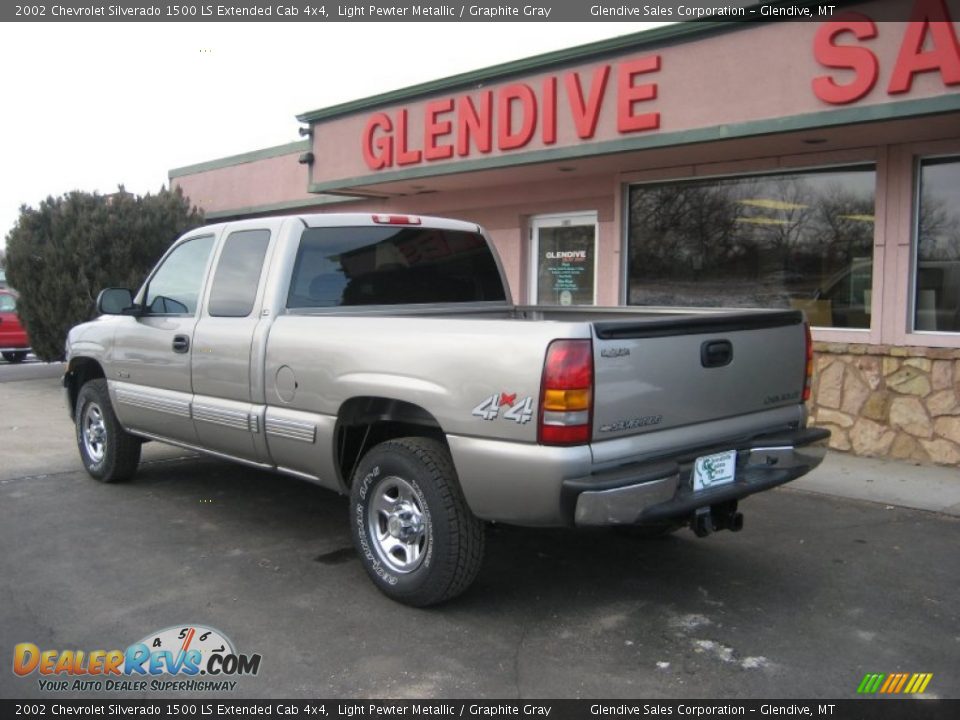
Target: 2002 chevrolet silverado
x,y
381,357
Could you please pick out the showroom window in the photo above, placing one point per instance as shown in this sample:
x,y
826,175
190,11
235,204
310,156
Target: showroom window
x,y
800,240
936,275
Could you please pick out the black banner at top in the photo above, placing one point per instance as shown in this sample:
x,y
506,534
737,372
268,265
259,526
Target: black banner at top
x,y
320,11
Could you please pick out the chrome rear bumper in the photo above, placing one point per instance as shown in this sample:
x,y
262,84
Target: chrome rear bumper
x,y
649,493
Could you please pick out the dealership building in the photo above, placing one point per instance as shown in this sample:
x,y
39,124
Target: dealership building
x,y
811,165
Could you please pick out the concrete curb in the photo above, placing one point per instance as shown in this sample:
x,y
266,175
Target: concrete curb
x,y
921,487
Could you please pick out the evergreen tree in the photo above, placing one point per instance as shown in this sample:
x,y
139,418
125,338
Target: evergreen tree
x,y
61,254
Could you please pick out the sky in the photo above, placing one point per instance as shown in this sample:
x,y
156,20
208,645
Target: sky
x,y
91,106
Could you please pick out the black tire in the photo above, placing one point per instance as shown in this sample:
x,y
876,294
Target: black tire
x,y
15,356
109,453
405,492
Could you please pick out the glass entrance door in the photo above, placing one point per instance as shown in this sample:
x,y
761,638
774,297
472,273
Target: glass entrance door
x,y
563,267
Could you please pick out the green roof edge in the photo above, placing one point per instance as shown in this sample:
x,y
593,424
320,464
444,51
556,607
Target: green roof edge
x,y
277,206
243,158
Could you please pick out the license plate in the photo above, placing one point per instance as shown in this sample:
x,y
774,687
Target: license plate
x,y
712,470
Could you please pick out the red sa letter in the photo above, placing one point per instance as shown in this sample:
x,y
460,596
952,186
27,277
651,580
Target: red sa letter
x,y
928,16
859,59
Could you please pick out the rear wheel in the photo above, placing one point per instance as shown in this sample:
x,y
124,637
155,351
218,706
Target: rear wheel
x,y
15,356
416,537
109,453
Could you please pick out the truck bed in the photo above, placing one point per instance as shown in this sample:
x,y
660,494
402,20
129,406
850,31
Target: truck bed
x,y
651,370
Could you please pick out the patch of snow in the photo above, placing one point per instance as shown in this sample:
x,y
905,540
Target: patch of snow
x,y
722,652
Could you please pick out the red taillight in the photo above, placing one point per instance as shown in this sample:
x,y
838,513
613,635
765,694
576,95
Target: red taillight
x,y
808,378
566,393
396,220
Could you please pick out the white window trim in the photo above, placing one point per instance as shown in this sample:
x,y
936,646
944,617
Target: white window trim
x,y
912,336
583,217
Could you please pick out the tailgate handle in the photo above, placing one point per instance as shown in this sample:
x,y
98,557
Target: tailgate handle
x,y
716,353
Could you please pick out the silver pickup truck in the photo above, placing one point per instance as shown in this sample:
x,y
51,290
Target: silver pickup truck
x,y
380,356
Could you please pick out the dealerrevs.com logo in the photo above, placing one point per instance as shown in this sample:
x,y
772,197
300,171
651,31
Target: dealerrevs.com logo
x,y
178,658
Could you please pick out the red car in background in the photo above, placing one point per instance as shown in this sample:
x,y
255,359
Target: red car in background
x,y
14,343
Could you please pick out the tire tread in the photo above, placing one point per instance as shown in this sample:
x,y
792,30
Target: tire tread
x,y
466,536
122,461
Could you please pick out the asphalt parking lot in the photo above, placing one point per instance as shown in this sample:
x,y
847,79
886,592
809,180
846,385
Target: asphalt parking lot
x,y
813,594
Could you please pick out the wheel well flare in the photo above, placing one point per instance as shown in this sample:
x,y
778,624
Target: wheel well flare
x,y
365,422
80,371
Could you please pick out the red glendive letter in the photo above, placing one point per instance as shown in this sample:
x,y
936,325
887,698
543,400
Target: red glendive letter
x,y
629,94
510,97
548,131
586,113
435,128
475,124
378,148
405,156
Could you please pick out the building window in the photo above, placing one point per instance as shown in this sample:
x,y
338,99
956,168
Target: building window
x,y
797,240
937,267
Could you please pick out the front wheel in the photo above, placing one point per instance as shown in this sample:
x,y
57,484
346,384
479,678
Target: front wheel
x,y
109,453
15,356
416,537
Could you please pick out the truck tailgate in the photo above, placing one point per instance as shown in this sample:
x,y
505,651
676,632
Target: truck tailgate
x,y
658,373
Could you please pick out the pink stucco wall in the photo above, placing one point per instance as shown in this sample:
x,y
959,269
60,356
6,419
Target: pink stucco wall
x,y
762,72
257,183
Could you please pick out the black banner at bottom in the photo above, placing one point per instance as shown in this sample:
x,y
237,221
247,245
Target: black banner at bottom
x,y
863,709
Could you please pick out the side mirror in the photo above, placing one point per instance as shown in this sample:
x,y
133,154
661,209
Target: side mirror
x,y
115,301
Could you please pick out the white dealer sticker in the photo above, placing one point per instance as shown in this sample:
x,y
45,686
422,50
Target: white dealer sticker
x,y
713,470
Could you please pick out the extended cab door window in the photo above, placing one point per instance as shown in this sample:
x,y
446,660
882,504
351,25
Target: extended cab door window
x,y
174,288
237,276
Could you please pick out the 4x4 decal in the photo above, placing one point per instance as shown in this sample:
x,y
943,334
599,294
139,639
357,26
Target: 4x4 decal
x,y
520,411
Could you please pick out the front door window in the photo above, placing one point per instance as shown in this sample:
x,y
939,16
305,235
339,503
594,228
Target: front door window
x,y
174,288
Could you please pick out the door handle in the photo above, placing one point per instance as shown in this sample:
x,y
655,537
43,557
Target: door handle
x,y
716,353
181,343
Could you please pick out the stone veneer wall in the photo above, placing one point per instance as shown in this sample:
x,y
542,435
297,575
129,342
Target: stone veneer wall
x,y
889,401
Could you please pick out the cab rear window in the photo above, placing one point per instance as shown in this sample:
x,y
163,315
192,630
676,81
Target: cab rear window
x,y
349,266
